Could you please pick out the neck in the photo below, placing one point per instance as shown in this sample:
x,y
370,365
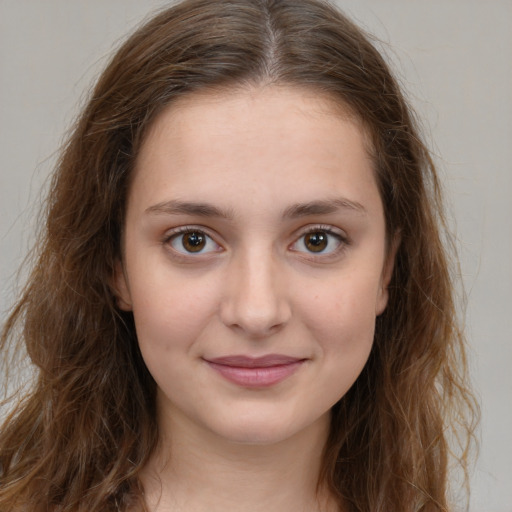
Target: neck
x,y
196,471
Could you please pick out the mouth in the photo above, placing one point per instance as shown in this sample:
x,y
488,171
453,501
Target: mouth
x,y
255,372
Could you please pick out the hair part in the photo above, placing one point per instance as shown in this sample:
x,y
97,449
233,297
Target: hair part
x,y
83,434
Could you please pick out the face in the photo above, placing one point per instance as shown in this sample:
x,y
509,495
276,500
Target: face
x,y
254,261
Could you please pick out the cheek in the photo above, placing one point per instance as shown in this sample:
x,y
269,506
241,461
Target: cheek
x,y
346,309
169,321
346,331
171,313
344,352
342,321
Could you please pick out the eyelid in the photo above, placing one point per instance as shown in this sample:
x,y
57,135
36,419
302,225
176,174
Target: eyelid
x,y
338,233
182,230
334,231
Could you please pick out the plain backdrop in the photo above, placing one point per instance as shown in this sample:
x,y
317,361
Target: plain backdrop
x,y
454,57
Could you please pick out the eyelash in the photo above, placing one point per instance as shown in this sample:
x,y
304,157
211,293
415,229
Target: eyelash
x,y
342,240
180,232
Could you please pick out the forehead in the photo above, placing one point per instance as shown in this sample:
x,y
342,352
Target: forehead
x,y
265,109
261,105
273,137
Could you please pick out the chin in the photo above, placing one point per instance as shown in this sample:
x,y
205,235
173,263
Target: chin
x,y
256,437
264,431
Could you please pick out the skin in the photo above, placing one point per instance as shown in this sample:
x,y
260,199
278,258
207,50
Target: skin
x,y
271,164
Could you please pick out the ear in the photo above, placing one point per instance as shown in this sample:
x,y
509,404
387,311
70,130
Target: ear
x,y
120,288
387,272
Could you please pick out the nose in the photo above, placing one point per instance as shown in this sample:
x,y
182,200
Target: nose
x,y
256,300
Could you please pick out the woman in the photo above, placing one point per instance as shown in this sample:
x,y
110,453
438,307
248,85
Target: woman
x,y
241,301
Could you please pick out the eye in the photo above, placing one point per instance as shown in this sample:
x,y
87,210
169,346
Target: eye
x,y
319,241
192,241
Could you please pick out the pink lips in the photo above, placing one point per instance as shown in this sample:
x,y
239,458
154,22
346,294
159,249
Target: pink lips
x,y
256,372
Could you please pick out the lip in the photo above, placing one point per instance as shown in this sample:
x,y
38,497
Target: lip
x,y
255,372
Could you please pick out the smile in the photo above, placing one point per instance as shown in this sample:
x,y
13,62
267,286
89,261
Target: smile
x,y
258,372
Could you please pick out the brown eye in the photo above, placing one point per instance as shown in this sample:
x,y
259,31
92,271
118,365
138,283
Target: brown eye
x,y
193,242
322,242
316,241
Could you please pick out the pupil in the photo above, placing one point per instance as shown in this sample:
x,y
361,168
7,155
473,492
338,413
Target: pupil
x,y
193,242
316,242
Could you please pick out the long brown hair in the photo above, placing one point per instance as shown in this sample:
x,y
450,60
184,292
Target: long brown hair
x,y
79,438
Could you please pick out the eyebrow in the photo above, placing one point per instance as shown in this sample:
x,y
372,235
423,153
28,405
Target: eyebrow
x,y
321,207
175,207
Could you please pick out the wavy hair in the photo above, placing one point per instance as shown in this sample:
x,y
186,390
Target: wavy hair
x,y
77,440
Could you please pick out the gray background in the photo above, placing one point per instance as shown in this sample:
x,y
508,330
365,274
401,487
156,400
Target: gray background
x,y
454,58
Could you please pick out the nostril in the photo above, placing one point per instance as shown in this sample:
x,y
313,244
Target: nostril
x,y
255,320
256,301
